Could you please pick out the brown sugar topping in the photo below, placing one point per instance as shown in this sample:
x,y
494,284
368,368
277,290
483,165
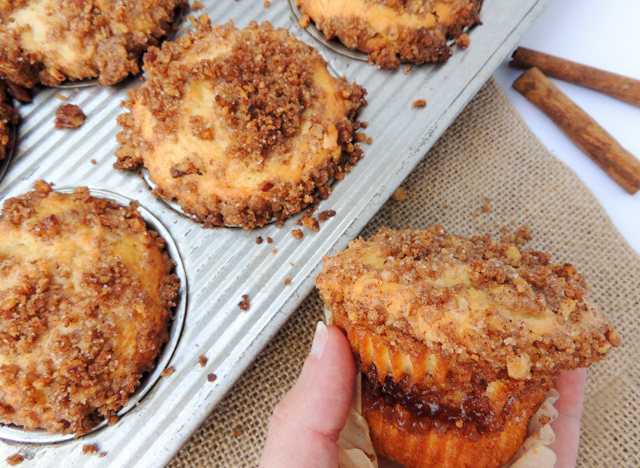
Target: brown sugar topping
x,y
478,299
394,31
8,117
78,276
272,126
83,40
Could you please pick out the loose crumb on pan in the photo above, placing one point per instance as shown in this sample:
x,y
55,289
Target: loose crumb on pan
x,y
237,432
212,377
287,282
168,371
244,303
69,116
15,459
259,240
267,4
463,41
62,97
419,103
311,223
369,140
406,69
197,5
297,233
485,206
400,194
18,92
324,215
269,240
275,251
202,360
90,449
93,161
304,21
102,454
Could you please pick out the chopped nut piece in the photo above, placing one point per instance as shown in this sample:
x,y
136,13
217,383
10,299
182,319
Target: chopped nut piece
x,y
202,360
244,304
269,240
168,371
19,92
420,103
400,194
369,140
212,377
259,240
69,116
304,21
297,233
15,459
287,282
90,449
324,215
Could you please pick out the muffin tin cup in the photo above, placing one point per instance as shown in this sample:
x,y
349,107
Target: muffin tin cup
x,y
12,433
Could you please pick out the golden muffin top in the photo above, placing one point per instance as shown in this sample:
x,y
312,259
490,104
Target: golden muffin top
x,y
49,41
86,292
394,31
485,301
240,126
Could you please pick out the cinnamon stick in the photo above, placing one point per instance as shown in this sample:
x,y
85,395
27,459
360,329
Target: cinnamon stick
x,y
620,87
581,129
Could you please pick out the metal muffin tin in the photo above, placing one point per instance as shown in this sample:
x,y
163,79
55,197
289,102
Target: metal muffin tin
x,y
222,264
11,433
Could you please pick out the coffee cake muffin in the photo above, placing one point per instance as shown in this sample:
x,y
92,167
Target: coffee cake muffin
x,y
240,126
459,340
8,118
395,31
86,292
50,41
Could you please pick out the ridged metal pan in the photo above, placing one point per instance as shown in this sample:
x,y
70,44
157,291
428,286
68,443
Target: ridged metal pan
x,y
223,264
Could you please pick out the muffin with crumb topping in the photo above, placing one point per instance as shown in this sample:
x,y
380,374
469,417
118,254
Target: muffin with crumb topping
x,y
459,340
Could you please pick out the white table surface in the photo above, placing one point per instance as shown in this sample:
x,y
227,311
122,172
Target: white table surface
x,y
602,34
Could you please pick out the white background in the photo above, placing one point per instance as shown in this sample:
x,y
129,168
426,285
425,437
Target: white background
x,y
602,34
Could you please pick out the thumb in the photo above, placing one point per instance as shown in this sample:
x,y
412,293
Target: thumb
x,y
307,422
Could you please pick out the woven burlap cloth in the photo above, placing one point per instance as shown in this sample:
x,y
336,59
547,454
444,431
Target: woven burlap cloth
x,y
487,152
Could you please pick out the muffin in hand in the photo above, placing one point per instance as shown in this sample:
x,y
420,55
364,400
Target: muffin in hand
x,y
459,340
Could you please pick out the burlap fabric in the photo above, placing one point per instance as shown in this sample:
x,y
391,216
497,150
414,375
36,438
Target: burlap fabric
x,y
487,152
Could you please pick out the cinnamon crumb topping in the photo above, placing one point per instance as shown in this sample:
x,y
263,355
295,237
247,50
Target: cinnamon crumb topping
x,y
78,276
297,233
276,126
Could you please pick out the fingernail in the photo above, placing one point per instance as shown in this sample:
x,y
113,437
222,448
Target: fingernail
x,y
319,341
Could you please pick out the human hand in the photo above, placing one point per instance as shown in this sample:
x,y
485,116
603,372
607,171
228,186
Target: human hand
x,y
307,422
570,385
